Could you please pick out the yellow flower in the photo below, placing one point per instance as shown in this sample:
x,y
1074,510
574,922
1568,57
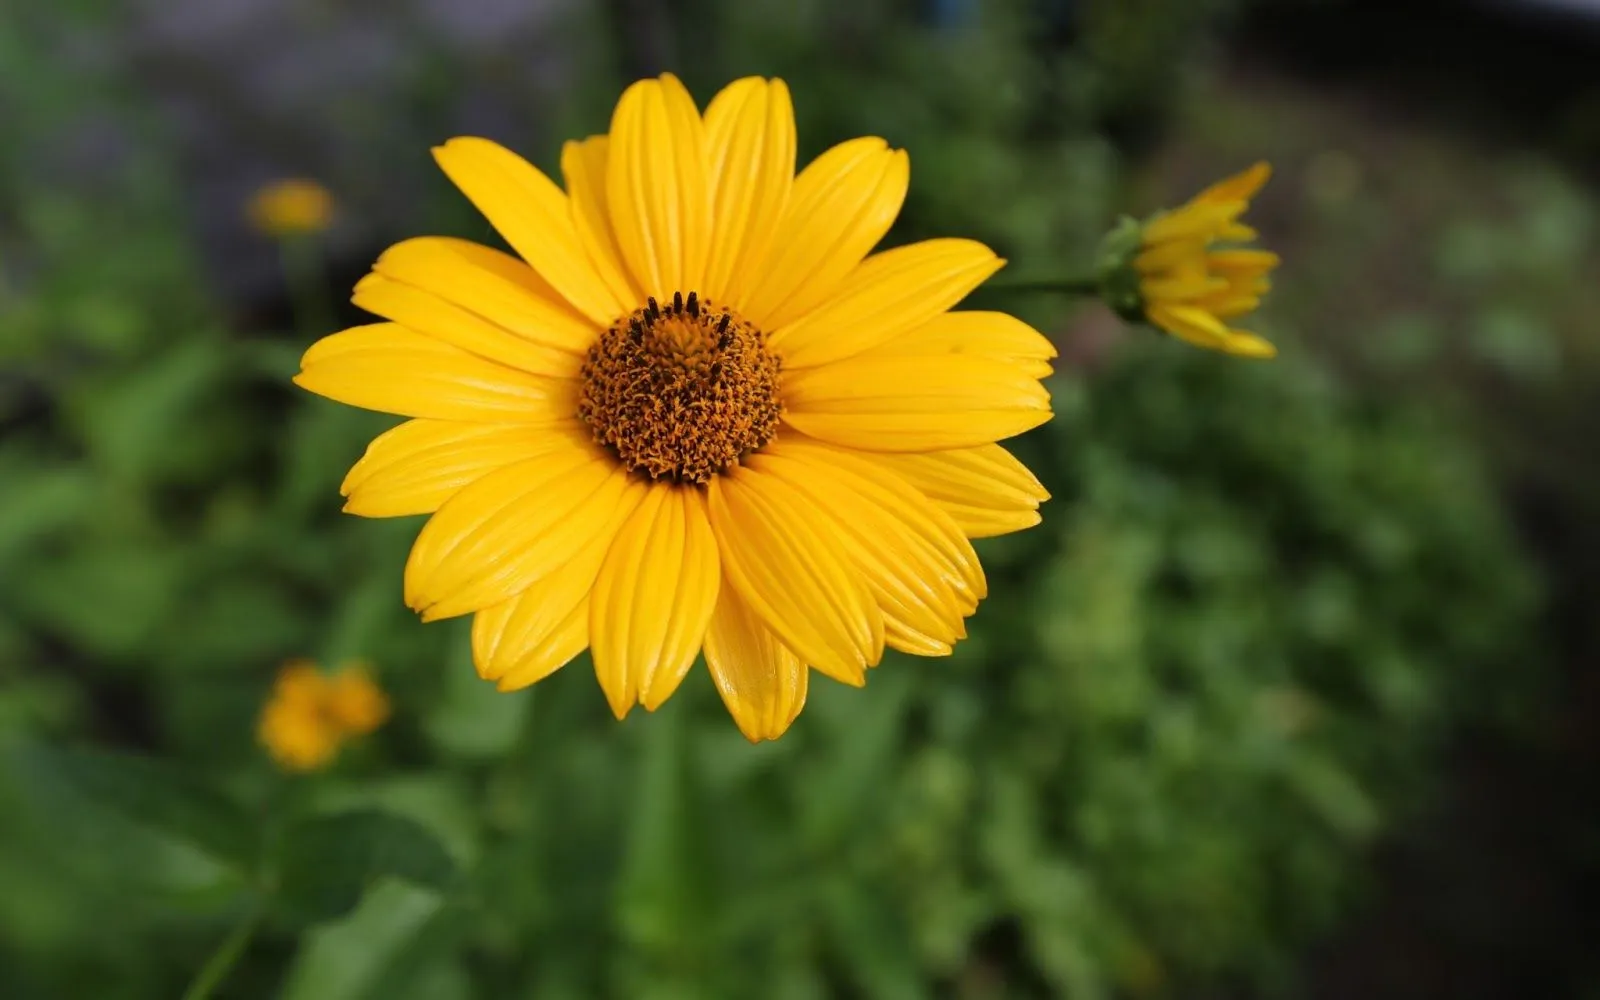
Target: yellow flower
x,y
1166,271
311,714
354,701
696,414
294,207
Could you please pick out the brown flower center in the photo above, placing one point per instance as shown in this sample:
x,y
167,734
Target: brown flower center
x,y
681,390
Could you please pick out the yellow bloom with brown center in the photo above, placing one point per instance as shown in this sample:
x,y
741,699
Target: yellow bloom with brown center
x,y
312,714
294,207
698,413
1172,275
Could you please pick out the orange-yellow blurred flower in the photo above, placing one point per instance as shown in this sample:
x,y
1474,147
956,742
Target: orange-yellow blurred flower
x,y
1170,272
354,701
697,414
293,207
311,714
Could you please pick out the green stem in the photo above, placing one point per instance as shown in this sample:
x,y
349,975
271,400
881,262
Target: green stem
x,y
1063,286
308,293
223,959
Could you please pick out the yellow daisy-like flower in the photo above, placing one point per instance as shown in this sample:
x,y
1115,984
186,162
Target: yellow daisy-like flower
x,y
696,414
354,701
294,207
311,714
1165,270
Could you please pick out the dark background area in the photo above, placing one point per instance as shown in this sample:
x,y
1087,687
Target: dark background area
x,y
1491,892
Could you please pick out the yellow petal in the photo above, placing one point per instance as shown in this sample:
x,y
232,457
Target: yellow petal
x,y
974,334
778,553
914,404
880,483
427,314
1205,329
1193,220
354,701
569,638
533,215
583,166
657,189
921,569
978,522
897,635
1248,345
1189,323
508,530
985,490
495,286
298,737
762,683
1181,288
1160,257
415,467
301,682
386,367
838,210
653,599
1228,305
886,295
1240,187
1242,263
522,637
751,138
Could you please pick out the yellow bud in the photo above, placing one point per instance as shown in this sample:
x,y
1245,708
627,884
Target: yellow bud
x,y
294,207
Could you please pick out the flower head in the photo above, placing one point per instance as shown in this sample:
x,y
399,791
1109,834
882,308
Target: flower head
x,y
294,207
311,714
353,701
697,414
1166,271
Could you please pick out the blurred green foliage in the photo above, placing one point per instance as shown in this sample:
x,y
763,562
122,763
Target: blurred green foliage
x,y
1221,666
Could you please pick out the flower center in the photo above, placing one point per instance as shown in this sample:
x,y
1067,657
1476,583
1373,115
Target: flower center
x,y
681,390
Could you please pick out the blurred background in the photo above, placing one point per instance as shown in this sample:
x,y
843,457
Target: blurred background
x,y
1293,693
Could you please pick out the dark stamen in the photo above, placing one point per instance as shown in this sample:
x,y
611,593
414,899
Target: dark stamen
x,y
680,390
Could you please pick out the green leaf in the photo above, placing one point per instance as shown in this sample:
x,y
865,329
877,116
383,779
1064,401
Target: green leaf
x,y
867,734
109,599
139,421
474,719
232,624
1336,796
148,792
870,938
368,611
329,861
428,967
660,893
439,800
345,960
38,502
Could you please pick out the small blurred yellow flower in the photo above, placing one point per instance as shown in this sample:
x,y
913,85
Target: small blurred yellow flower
x,y
294,729
354,701
1165,271
311,714
294,207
